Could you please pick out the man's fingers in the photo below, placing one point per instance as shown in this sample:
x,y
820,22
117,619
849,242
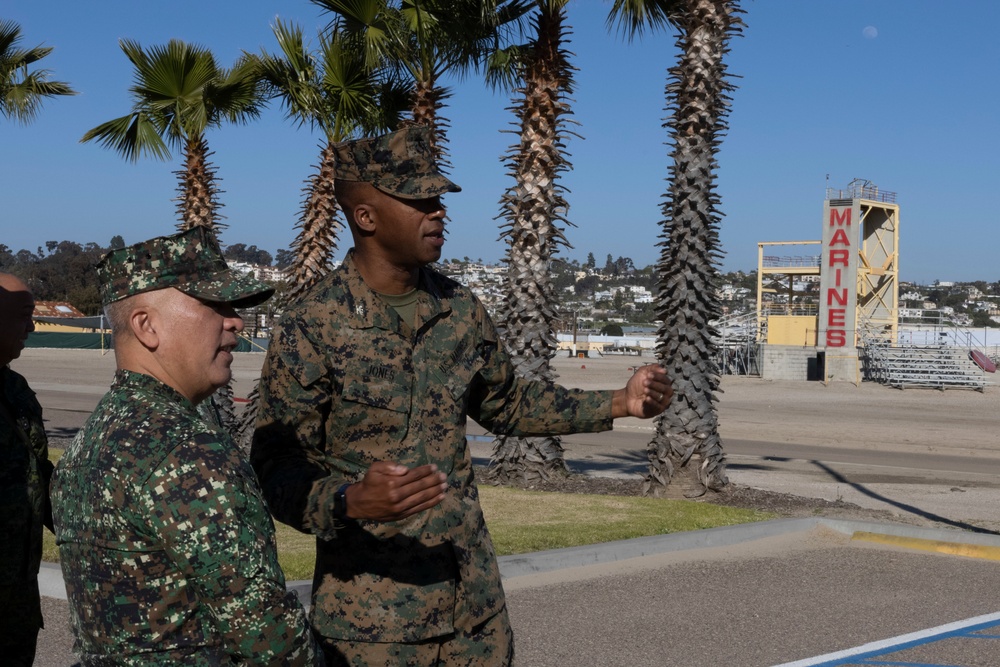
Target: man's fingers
x,y
418,502
390,491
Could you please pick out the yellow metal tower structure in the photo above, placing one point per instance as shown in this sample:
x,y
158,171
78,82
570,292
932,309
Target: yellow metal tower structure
x,y
858,268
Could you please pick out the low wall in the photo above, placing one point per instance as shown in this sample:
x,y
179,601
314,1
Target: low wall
x,y
790,362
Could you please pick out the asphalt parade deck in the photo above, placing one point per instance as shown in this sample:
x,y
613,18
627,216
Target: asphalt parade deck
x,y
794,592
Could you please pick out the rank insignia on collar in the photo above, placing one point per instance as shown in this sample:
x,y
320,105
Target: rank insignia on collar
x,y
360,309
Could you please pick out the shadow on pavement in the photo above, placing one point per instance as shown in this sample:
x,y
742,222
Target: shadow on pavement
x,y
861,488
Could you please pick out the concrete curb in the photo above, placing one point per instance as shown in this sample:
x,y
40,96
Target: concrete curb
x,y
939,540
50,581
544,561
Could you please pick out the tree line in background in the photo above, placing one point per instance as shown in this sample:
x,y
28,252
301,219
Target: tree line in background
x,y
65,270
381,65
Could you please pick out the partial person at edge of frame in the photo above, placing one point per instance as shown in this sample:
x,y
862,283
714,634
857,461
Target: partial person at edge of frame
x,y
25,473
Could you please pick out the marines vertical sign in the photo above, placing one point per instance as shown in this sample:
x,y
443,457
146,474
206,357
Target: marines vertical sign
x,y
838,281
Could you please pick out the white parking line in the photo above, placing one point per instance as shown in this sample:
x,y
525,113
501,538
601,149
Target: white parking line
x,y
886,645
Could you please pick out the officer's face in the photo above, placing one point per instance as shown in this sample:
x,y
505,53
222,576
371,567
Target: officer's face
x,y
16,308
410,232
196,345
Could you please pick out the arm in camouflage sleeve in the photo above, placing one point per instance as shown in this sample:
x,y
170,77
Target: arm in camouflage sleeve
x,y
216,528
507,404
291,456
288,451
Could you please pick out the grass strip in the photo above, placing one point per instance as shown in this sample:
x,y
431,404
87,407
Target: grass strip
x,y
523,521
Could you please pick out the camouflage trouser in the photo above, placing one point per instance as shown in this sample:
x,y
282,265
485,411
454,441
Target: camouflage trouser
x,y
20,620
488,645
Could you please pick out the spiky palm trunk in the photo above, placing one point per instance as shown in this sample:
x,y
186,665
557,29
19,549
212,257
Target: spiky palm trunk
x,y
533,208
198,201
686,451
313,249
319,227
428,100
197,205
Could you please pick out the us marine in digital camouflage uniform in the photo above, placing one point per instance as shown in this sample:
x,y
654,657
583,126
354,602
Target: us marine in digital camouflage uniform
x,y
24,483
364,397
167,548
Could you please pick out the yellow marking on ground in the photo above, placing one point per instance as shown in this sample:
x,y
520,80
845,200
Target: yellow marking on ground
x,y
981,551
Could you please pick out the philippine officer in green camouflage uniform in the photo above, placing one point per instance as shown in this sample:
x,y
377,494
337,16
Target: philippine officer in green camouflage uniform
x,y
25,471
166,545
364,397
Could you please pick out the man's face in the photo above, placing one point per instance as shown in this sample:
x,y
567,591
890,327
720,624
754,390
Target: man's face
x,y
16,307
410,231
196,342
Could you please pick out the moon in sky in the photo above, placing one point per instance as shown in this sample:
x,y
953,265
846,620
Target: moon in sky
x,y
870,32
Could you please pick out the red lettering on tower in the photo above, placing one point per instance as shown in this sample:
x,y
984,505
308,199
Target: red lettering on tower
x,y
840,238
840,216
838,295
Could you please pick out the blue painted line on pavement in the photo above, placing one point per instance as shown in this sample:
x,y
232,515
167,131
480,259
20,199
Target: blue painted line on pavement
x,y
868,654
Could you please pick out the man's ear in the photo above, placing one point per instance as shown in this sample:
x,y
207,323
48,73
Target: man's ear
x,y
142,322
364,218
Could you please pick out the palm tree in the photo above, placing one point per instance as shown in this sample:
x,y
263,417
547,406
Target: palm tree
x,y
336,92
22,91
686,450
534,208
428,39
179,92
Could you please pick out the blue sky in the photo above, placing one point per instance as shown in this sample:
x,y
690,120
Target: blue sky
x,y
898,92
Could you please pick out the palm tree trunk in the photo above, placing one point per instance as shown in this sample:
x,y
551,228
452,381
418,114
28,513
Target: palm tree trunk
x,y
313,249
197,205
533,208
686,451
428,100
198,191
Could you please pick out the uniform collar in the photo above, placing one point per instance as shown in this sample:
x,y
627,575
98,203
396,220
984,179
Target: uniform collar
x,y
367,309
133,380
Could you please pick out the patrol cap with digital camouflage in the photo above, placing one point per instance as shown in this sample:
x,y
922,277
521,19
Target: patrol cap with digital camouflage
x,y
190,261
400,163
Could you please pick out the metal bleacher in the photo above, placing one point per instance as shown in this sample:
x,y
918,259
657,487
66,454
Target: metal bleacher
x,y
942,365
737,344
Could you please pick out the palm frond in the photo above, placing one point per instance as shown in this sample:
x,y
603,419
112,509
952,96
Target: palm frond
x,y
22,91
131,137
635,17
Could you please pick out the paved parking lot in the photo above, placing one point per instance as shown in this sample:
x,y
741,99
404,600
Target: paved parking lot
x,y
791,592
963,642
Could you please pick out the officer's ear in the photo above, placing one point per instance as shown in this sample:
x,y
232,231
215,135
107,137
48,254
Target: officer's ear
x,y
143,322
364,217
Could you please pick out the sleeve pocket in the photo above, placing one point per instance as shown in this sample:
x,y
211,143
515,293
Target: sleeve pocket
x,y
456,375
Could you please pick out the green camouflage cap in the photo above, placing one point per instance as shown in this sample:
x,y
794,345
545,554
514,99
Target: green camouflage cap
x,y
190,261
400,163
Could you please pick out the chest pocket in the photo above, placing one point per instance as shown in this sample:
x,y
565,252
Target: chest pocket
x,y
374,412
378,386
